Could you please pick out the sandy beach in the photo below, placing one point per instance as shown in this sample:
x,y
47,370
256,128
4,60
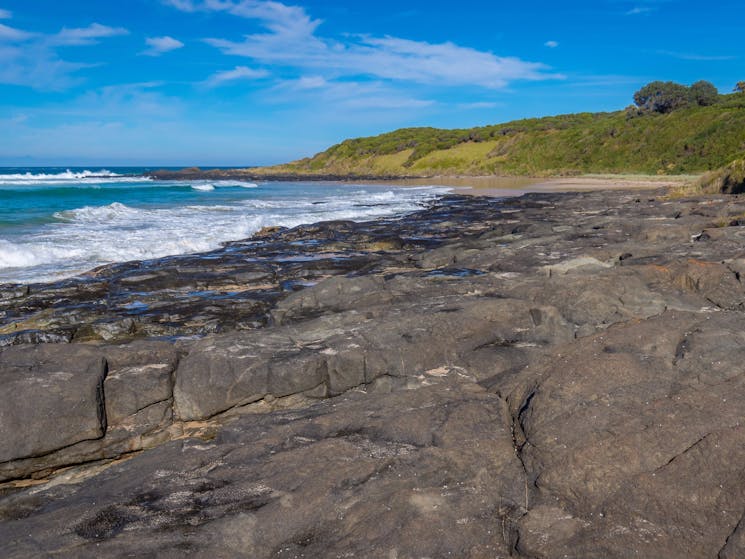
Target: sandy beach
x,y
517,186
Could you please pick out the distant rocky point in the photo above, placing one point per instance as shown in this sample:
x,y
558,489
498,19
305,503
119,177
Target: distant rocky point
x,y
261,174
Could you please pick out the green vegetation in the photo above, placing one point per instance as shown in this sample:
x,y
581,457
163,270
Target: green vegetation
x,y
729,179
662,97
704,93
675,130
666,97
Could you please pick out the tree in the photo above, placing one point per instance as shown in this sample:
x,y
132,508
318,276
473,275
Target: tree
x,y
740,87
704,93
662,97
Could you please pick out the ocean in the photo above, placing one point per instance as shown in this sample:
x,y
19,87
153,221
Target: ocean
x,y
60,222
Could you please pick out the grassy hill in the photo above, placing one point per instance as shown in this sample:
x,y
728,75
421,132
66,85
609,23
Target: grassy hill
x,y
689,140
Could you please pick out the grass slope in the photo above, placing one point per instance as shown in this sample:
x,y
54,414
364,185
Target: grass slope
x,y
691,140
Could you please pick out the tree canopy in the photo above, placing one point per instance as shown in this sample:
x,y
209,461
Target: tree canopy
x,y
665,97
662,97
704,93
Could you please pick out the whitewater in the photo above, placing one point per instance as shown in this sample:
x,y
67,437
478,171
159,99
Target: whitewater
x,y
61,222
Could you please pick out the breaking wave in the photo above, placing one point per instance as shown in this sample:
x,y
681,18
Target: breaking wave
x,y
88,236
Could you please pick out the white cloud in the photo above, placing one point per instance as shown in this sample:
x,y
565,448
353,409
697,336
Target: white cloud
x,y
10,34
161,45
36,66
288,21
183,5
696,57
640,10
5,14
127,102
345,94
388,58
278,18
238,73
551,44
291,40
389,102
605,81
478,105
83,36
31,59
311,82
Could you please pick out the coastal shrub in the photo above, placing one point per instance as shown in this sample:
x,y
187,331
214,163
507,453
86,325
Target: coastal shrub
x,y
727,180
692,139
662,97
704,93
632,111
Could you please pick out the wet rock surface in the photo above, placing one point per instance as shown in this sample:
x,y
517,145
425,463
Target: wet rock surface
x,y
559,375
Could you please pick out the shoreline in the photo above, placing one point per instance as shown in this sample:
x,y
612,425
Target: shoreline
x,y
486,182
193,221
500,187
415,370
518,186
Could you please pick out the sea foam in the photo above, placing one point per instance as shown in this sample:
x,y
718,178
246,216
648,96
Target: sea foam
x,y
64,176
68,178
87,236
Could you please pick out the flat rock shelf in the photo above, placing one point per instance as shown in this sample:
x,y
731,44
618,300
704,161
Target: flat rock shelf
x,y
550,376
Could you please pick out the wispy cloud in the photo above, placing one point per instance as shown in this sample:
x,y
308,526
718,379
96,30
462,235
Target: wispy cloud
x,y
10,34
639,7
132,102
31,59
605,81
5,14
161,45
37,67
638,10
279,18
551,44
291,40
308,82
478,105
83,36
696,57
236,74
183,5
80,36
346,95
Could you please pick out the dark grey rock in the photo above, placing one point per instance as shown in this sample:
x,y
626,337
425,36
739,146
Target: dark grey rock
x,y
558,376
348,350
632,444
69,404
373,476
50,397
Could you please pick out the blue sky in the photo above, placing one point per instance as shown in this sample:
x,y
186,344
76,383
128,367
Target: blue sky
x,y
246,82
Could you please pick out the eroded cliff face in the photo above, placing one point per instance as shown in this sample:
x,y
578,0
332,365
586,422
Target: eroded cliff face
x,y
546,377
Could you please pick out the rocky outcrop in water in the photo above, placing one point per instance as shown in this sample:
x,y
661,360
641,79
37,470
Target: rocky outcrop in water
x,y
545,377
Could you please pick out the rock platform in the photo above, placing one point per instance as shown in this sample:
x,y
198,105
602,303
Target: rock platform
x,y
551,376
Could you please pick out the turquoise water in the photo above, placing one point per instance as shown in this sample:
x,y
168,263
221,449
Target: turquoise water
x,y
58,222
